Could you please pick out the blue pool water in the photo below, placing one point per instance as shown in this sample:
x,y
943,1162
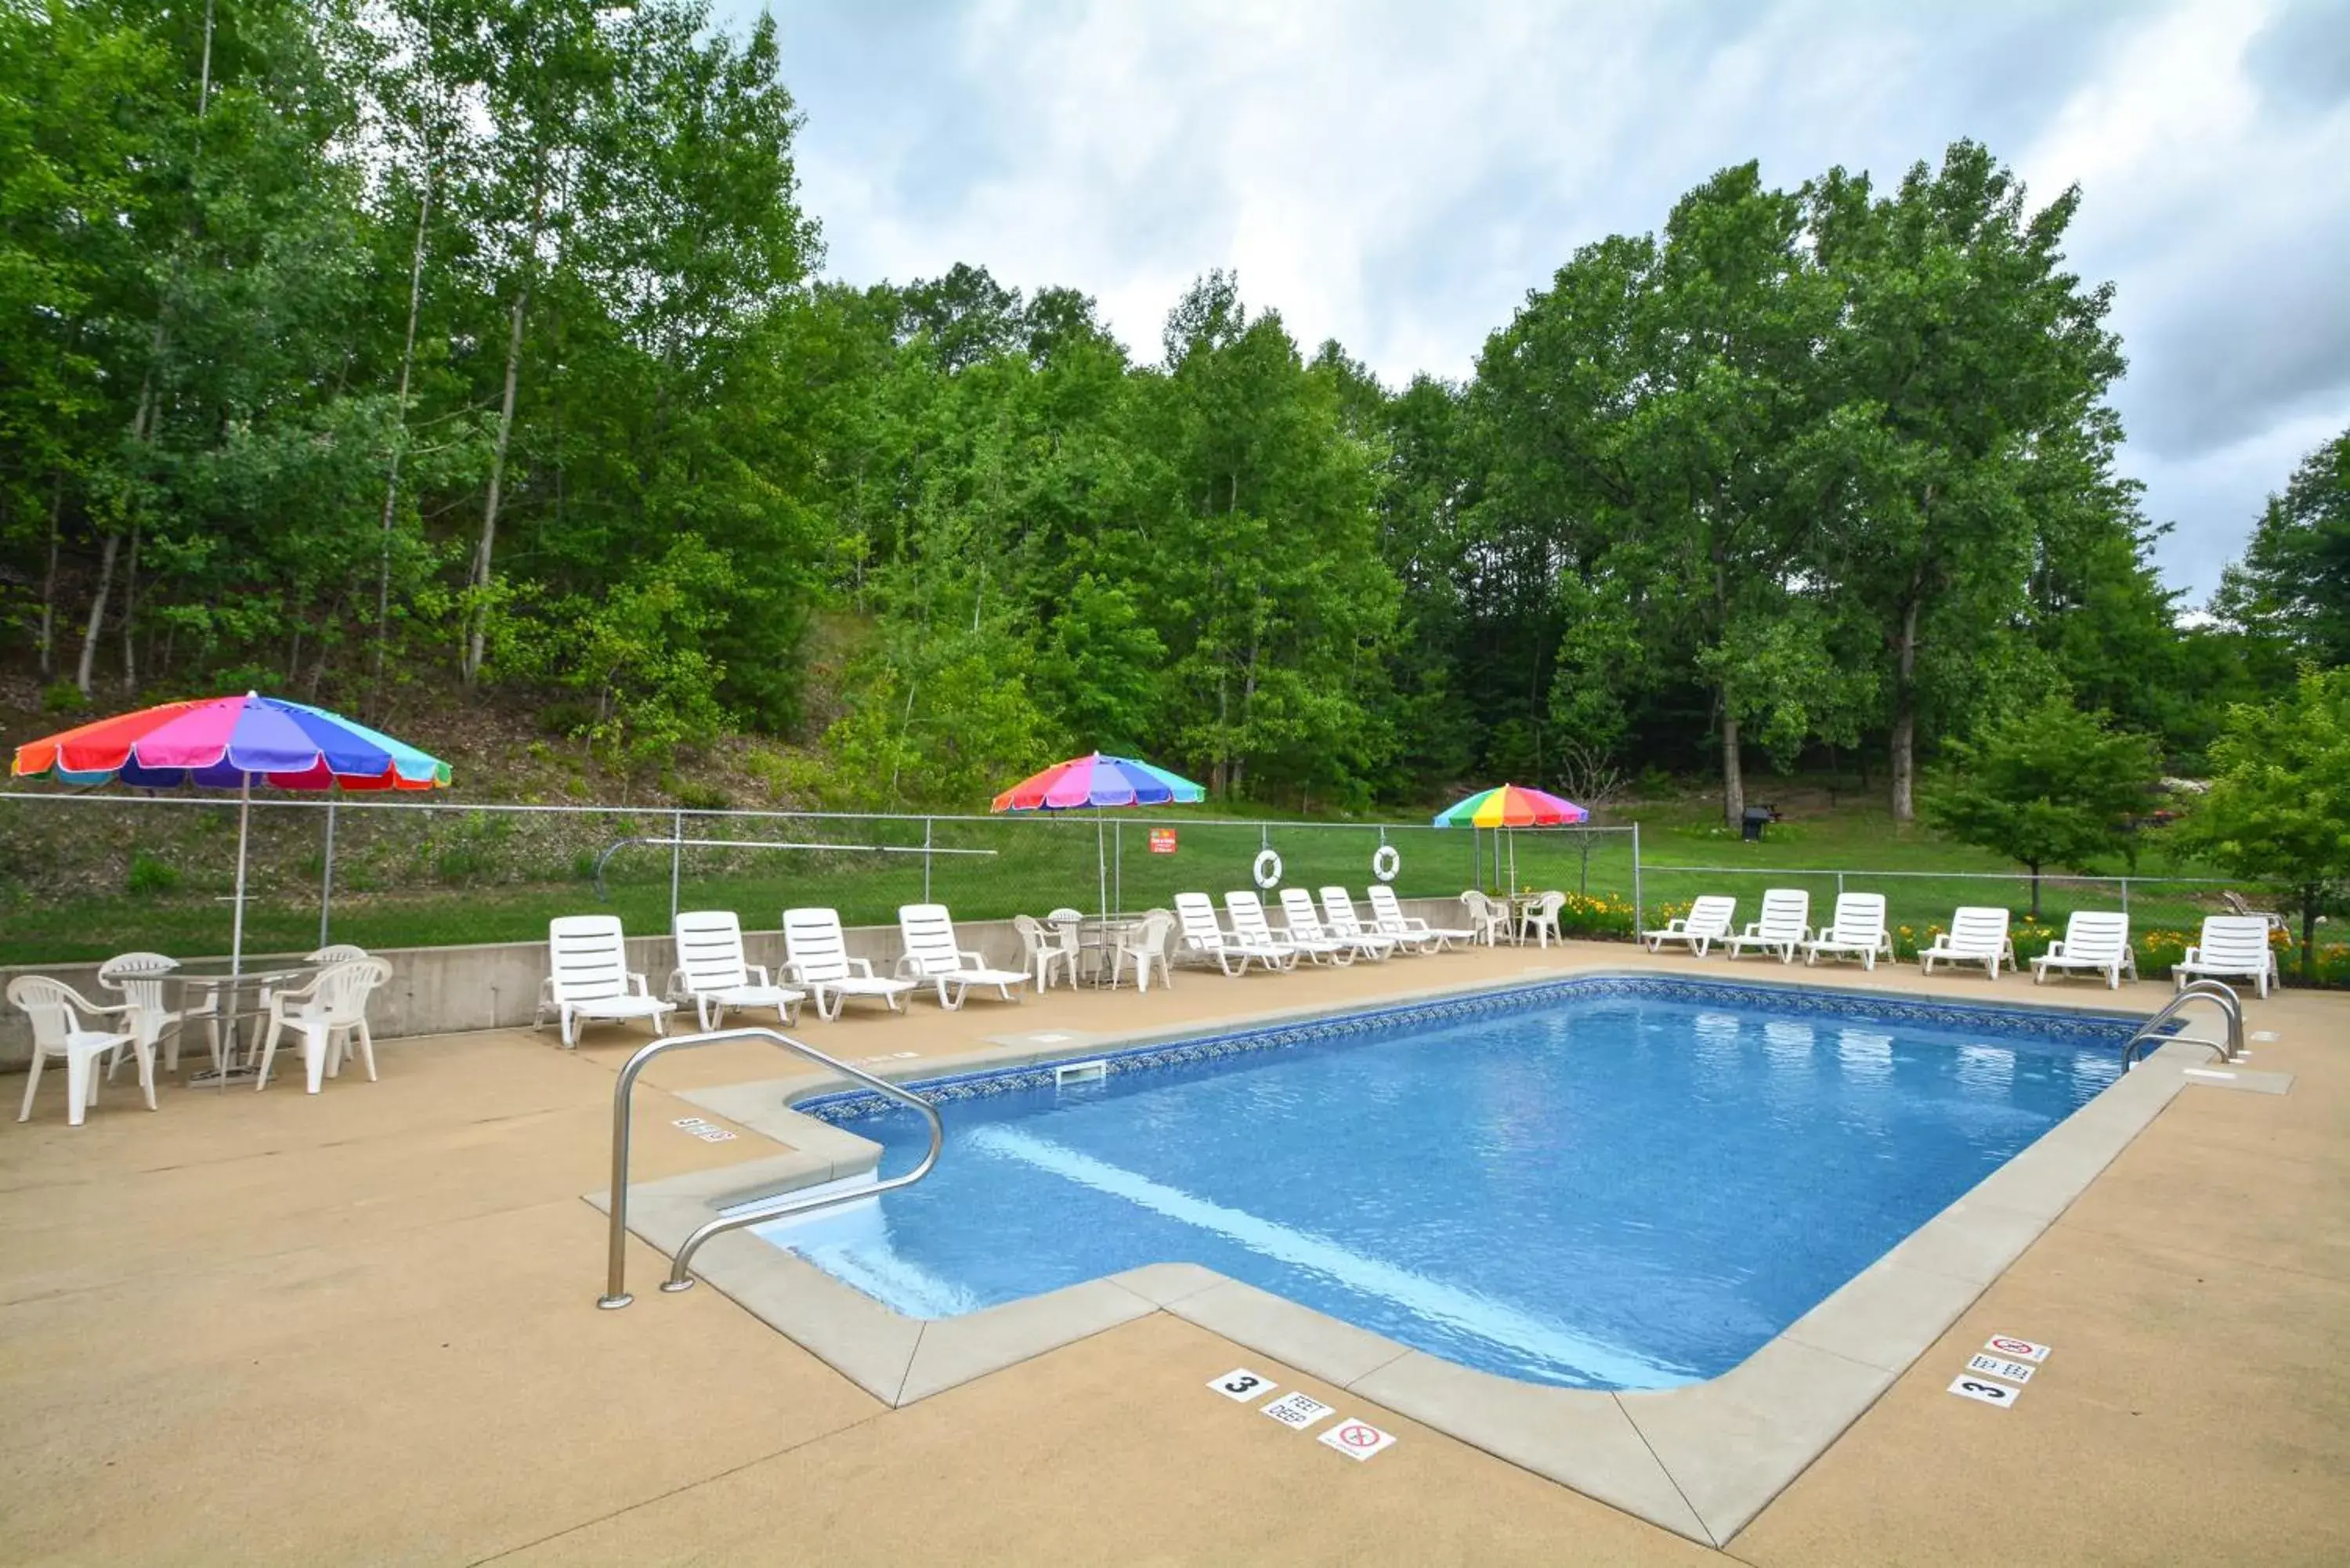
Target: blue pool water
x,y
1601,1190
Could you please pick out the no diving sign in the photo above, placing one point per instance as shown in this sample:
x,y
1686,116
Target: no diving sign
x,y
1357,1439
2015,1349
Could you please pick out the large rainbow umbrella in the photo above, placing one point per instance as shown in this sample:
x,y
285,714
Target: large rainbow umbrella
x,y
1511,806
1096,782
229,743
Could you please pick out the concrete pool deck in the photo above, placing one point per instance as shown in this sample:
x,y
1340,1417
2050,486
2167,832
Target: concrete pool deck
x,y
361,1328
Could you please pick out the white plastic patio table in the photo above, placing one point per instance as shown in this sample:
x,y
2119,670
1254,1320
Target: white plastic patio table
x,y
214,977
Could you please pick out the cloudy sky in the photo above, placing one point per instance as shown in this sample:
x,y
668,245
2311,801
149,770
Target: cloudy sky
x,y
1398,174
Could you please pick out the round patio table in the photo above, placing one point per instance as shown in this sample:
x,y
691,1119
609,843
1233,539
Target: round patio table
x,y
212,977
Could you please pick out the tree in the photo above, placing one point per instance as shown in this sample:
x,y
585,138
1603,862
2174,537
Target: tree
x,y
2048,786
1967,376
2279,804
2293,583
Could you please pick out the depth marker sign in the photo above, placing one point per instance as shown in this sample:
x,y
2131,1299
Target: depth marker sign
x,y
1296,1411
1243,1384
1990,1393
1992,1366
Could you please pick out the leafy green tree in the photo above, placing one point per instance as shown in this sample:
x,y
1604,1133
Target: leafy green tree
x,y
2293,584
2279,804
2047,786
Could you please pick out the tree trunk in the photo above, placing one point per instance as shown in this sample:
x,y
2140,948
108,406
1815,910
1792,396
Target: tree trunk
x,y
2308,965
1733,778
82,673
478,633
130,615
2034,866
1905,716
49,579
400,431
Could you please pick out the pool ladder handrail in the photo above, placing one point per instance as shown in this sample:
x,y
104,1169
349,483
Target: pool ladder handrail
x,y
616,1292
2224,997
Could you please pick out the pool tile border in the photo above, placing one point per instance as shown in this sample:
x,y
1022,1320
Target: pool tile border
x,y
1701,1460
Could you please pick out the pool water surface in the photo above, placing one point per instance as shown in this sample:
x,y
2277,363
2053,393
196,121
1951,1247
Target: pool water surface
x,y
1601,1190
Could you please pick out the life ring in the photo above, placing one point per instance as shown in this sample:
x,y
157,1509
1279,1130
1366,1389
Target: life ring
x,y
1386,863
1268,868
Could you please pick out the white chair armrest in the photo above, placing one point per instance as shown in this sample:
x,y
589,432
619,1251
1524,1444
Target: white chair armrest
x,y
758,971
2194,955
2055,949
637,980
972,958
862,966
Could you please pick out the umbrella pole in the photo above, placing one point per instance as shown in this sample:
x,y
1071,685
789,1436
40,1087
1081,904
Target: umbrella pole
x,y
236,923
1101,861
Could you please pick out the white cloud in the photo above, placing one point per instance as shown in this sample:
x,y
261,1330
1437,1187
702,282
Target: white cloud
x,y
1399,175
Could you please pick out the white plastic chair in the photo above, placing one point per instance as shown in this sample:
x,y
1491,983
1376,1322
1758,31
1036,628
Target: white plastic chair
x,y
2233,945
55,1011
1856,931
337,952
1044,951
590,979
1488,917
1541,919
819,961
1977,935
1707,922
1302,926
1386,914
1204,940
2095,940
330,1015
1339,918
1785,925
140,979
933,954
1145,943
712,974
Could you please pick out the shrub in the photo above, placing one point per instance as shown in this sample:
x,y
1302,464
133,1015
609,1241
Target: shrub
x,y
696,796
63,697
150,876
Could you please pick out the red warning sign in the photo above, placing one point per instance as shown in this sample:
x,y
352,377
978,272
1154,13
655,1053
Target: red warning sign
x,y
1357,1439
1163,841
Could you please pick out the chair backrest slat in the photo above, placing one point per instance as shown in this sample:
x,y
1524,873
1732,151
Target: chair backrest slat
x,y
1297,912
1387,911
2095,934
1976,928
1197,912
929,933
1338,913
813,940
2235,939
710,950
588,957
1785,912
1247,911
1709,916
1860,917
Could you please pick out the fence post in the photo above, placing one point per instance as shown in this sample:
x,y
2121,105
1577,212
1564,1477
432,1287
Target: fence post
x,y
676,861
1639,919
2125,895
1117,864
327,880
1839,884
926,859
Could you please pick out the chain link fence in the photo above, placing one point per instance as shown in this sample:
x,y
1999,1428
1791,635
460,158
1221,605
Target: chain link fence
x,y
86,876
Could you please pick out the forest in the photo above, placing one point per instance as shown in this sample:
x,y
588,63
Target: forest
x,y
386,353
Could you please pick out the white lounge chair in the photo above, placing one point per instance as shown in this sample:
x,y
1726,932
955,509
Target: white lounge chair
x,y
589,979
1977,935
1488,917
1339,918
712,974
1246,912
933,955
55,1011
1785,925
2233,945
1204,940
1707,922
1301,926
2095,940
817,960
1540,918
1386,914
330,1015
1144,943
1856,931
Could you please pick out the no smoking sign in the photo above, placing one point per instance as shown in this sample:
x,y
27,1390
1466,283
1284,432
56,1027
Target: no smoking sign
x,y
1357,1439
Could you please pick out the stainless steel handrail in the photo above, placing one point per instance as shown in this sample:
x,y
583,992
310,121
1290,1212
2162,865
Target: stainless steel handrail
x,y
2224,997
616,1292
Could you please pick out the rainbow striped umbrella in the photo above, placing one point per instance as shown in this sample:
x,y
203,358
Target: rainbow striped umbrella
x,y
1512,806
1096,782
229,743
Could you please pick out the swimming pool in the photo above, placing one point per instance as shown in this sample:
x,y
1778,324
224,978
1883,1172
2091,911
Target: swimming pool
x,y
1606,1183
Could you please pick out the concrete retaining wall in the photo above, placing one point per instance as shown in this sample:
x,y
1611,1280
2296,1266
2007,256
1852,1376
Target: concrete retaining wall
x,y
445,990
